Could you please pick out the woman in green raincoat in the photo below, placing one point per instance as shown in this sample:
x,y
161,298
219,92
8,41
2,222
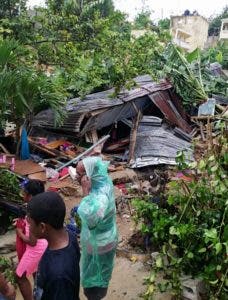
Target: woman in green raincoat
x,y
98,232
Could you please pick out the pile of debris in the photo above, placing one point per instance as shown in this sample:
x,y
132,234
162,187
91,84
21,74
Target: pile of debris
x,y
151,113
143,128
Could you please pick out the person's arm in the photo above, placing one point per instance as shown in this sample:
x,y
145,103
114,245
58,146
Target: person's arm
x,y
30,240
86,185
6,288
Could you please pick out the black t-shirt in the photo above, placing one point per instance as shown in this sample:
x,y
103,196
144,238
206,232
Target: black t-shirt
x,y
58,276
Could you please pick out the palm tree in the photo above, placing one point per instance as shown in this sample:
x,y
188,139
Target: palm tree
x,y
24,90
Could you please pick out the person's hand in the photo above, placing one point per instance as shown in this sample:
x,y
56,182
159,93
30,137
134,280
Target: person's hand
x,y
86,185
15,222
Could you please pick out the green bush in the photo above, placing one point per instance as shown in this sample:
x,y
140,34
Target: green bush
x,y
192,232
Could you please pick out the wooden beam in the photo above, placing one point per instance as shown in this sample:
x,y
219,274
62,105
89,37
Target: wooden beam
x,y
39,147
134,136
4,149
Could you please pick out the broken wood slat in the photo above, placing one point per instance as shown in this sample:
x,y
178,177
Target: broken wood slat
x,y
52,152
134,135
8,248
129,206
77,158
5,165
118,145
38,176
64,177
220,107
194,132
169,110
55,144
209,134
217,117
43,149
55,161
4,149
201,131
202,117
225,113
27,167
91,136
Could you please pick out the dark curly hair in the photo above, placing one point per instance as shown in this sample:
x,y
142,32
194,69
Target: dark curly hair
x,y
34,187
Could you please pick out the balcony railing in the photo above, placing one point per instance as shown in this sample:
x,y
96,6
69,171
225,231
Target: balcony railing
x,y
182,44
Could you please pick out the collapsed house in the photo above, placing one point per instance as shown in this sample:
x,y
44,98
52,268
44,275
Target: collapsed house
x,y
147,125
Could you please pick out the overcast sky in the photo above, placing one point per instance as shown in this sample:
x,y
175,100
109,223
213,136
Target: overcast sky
x,y
163,8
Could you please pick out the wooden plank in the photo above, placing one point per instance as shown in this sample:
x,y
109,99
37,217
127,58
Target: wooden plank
x,y
4,149
38,176
55,144
41,148
91,136
134,136
202,117
86,152
201,131
26,167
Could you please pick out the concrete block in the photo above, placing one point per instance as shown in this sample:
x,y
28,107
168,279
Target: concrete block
x,y
192,289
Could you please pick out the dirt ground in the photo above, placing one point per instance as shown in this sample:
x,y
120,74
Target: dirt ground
x,y
126,282
127,279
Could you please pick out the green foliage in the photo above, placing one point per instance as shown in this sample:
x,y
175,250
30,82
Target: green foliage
x,y
89,48
164,24
215,24
156,220
104,7
96,52
179,72
200,65
192,231
224,49
87,43
143,20
11,8
7,269
9,186
190,72
23,89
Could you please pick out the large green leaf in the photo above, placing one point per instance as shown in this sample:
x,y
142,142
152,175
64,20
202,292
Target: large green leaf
x,y
194,55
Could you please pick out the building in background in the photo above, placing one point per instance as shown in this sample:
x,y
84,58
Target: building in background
x,y
189,31
224,30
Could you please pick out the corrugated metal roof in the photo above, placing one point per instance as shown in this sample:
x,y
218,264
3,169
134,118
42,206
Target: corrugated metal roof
x,y
45,119
81,112
169,111
157,145
115,114
216,70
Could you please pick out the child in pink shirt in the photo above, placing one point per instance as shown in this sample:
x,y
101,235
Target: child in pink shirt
x,y
33,248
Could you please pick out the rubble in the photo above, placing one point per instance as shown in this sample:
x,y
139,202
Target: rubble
x,y
149,105
193,289
128,175
138,132
158,144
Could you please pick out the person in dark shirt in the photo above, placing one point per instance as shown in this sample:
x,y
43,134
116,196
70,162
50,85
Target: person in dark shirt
x,y
58,276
